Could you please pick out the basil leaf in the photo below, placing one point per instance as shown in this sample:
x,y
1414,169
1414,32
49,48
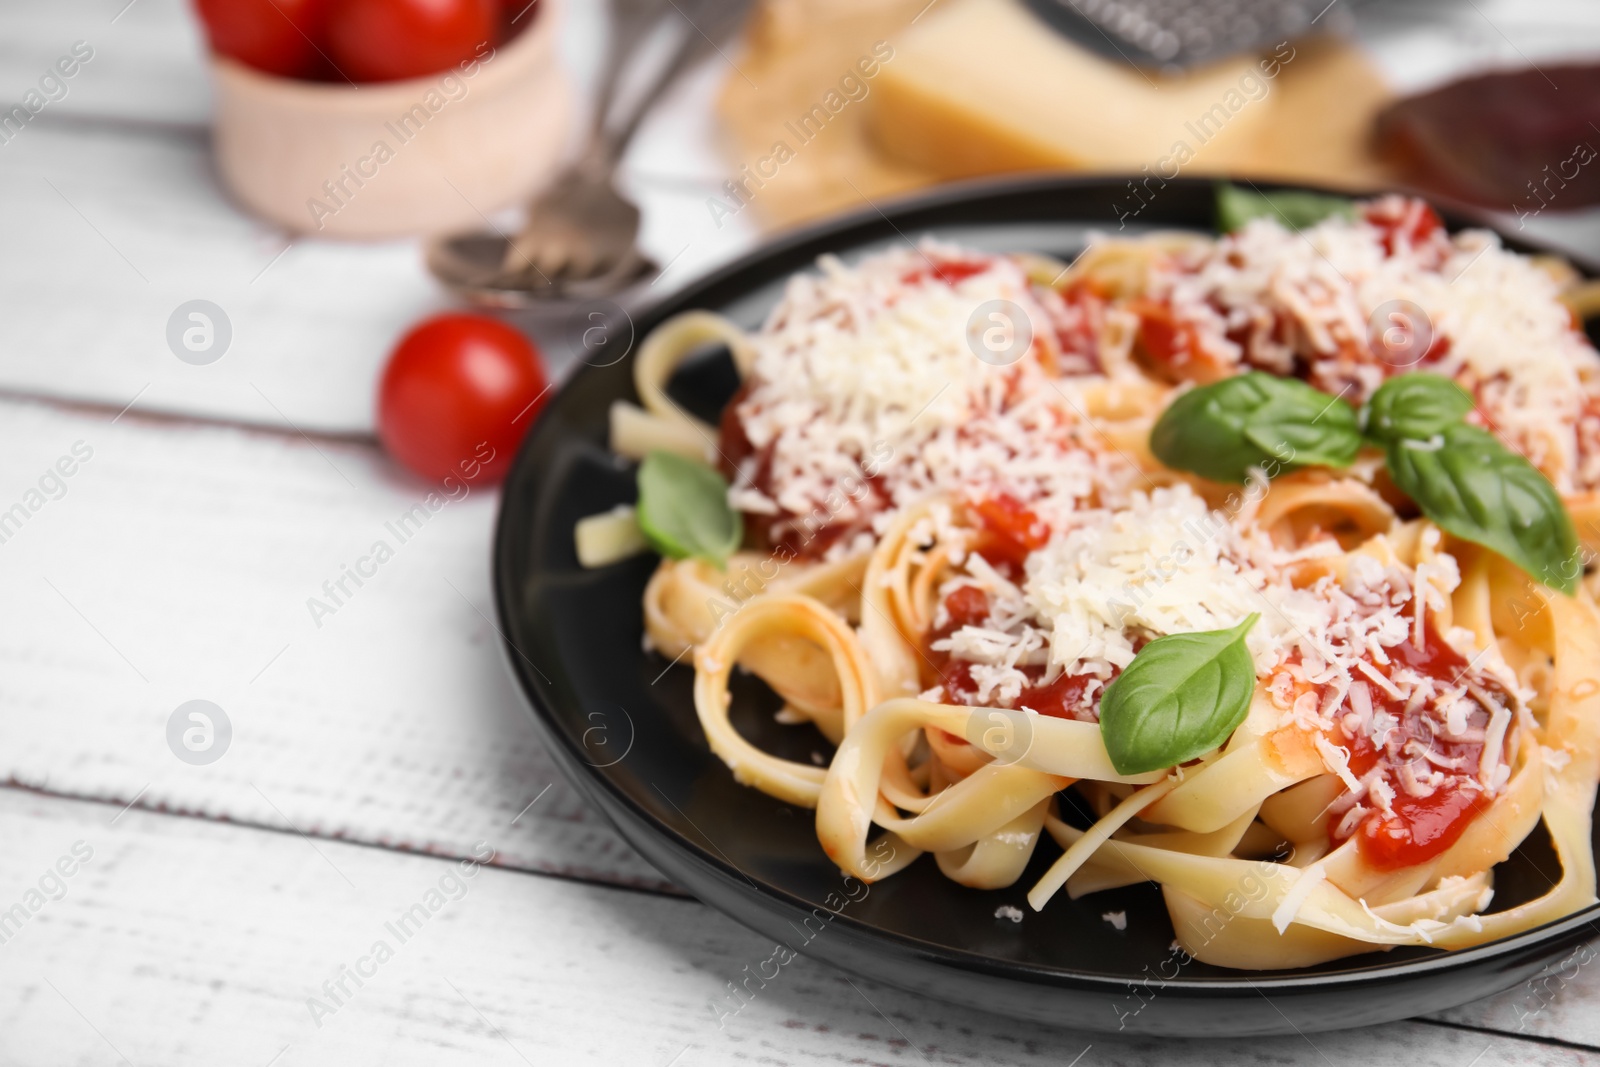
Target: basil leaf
x,y
683,509
1296,211
1220,431
1414,405
1181,697
1470,484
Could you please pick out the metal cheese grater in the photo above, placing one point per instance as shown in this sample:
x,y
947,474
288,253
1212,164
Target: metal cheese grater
x,y
1181,33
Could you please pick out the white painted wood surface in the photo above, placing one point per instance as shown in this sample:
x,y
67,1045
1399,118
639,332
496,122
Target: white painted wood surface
x,y
375,751
178,563
182,941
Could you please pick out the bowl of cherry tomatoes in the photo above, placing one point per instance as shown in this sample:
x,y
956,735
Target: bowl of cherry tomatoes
x,y
384,118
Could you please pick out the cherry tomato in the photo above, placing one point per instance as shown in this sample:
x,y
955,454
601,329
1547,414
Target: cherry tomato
x,y
459,393
275,36
386,40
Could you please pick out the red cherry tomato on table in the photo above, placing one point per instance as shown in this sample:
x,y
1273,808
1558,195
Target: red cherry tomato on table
x,y
275,36
386,40
459,393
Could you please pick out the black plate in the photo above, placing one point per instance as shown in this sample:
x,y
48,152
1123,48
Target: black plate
x,y
622,724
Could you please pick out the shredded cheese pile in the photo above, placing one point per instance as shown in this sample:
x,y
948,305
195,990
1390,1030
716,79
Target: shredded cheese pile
x,y
870,371
1273,298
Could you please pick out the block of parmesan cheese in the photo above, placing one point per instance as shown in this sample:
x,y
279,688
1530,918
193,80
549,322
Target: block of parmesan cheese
x,y
979,86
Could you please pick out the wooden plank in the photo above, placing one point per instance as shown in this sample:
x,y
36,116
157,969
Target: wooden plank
x,y
180,941
1558,1003
139,227
178,563
147,64
137,223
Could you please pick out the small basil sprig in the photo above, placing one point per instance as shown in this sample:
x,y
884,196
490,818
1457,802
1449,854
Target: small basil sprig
x,y
1463,478
1221,431
1415,406
1295,210
683,509
1181,697
1469,483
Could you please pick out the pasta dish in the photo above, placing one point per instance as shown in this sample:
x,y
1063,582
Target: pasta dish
x,y
1209,561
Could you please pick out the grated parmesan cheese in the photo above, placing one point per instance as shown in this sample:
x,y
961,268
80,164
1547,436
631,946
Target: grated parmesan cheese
x,y
1165,564
861,374
1114,578
1493,316
1289,907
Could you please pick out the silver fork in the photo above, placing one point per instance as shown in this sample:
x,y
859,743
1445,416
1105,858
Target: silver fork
x,y
579,238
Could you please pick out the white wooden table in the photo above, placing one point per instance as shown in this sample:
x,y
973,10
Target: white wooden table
x,y
207,906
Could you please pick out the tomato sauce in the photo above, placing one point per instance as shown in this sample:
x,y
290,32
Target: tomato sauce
x,y
733,444
1064,698
1008,533
1175,349
949,271
806,537
1165,339
1404,223
1078,331
966,606
1171,347
1419,828
1416,829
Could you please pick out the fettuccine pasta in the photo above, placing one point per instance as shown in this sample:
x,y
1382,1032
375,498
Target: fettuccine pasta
x,y
958,538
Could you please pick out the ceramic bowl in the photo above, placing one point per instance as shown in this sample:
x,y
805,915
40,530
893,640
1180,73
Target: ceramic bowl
x,y
388,159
